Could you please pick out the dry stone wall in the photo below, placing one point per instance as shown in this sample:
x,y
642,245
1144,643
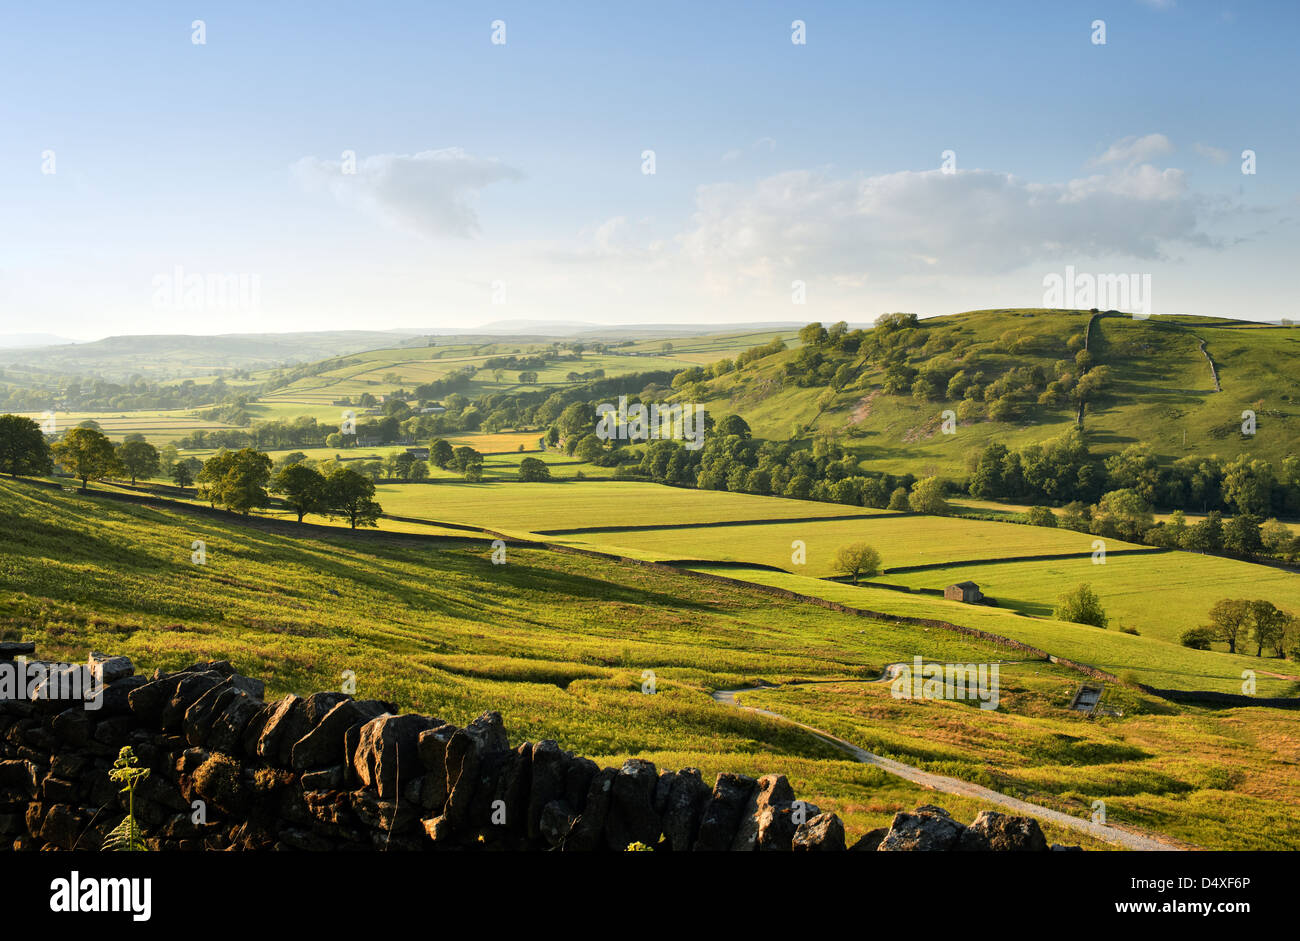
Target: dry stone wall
x,y
229,771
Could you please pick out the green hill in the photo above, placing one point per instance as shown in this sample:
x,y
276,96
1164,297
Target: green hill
x,y
1158,387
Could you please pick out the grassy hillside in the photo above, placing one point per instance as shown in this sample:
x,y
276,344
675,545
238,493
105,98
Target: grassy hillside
x,y
561,644
1158,593
1145,658
1160,387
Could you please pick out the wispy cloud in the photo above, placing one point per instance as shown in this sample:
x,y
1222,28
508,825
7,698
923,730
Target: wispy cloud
x,y
892,225
1133,149
431,193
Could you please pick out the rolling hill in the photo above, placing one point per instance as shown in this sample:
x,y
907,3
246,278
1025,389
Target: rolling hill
x,y
1159,389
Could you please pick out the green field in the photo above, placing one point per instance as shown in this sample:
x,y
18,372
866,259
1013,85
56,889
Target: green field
x,y
1161,594
1144,658
900,540
527,507
560,644
159,427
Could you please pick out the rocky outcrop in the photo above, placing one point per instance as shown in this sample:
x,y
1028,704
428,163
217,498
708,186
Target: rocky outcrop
x,y
229,771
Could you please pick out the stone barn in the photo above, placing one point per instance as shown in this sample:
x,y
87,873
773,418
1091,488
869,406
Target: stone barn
x,y
968,592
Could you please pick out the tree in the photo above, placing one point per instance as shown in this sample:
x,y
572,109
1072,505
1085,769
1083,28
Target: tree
x,y
898,499
1276,537
236,480
1267,623
532,470
1173,531
87,454
441,452
184,472
589,448
351,496
1241,535
23,448
1041,516
1248,485
1288,638
464,456
576,419
799,487
986,479
1080,606
734,425
1125,512
303,488
1229,619
139,459
1197,638
857,560
927,497
1206,535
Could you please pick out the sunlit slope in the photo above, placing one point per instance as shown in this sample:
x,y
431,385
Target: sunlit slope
x,y
1160,387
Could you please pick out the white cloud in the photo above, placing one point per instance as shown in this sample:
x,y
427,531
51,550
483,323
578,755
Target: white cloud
x,y
806,223
431,193
1133,149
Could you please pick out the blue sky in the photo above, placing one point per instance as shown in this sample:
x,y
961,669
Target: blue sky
x,y
504,182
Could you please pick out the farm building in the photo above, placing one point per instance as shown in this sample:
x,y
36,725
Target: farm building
x,y
968,592
420,454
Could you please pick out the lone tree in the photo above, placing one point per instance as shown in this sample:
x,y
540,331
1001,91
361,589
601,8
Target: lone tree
x,y
23,448
857,560
351,496
236,480
1081,606
139,459
303,488
87,454
533,470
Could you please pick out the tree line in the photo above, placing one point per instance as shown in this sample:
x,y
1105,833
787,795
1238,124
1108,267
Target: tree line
x,y
239,481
